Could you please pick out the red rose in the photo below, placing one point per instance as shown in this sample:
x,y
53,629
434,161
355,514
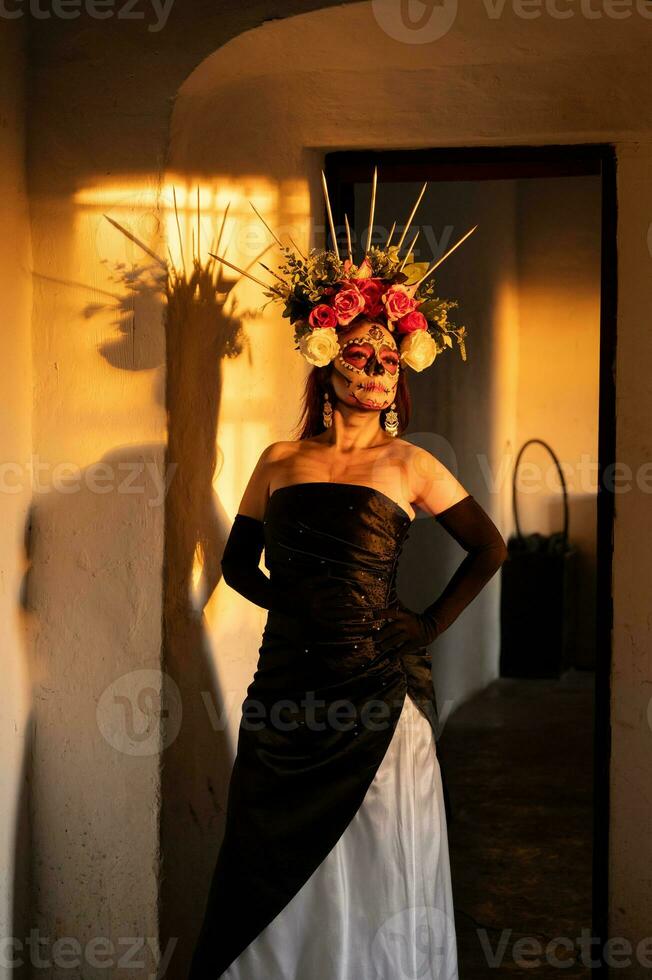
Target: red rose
x,y
372,291
348,303
322,316
412,321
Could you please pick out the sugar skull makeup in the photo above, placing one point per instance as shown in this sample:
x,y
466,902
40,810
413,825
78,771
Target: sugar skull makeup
x,y
366,369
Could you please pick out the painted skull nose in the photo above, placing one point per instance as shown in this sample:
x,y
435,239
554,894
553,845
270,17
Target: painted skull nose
x,y
375,366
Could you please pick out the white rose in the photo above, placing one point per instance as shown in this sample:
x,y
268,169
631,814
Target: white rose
x,y
418,349
320,346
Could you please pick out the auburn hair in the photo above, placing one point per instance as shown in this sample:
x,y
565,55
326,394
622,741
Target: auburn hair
x,y
318,383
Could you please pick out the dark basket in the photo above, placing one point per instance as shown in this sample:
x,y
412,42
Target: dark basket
x,y
538,607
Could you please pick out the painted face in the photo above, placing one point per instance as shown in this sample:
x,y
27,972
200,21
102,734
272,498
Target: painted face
x,y
366,370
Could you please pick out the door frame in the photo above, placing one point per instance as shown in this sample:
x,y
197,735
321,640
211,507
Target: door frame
x,y
345,168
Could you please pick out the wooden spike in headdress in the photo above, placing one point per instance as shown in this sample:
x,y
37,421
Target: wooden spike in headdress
x,y
323,293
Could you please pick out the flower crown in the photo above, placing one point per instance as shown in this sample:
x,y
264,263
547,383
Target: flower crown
x,y
322,293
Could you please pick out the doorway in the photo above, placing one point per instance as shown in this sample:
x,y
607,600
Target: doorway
x,y
536,286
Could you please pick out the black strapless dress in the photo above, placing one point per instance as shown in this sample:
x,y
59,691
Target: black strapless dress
x,y
319,715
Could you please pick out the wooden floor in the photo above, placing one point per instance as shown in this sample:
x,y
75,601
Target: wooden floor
x,y
517,760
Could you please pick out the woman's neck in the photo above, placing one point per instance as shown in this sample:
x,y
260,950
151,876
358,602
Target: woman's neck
x,y
353,429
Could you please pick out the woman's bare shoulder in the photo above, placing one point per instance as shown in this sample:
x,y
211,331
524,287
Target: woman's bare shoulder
x,y
278,452
416,456
402,446
411,457
254,498
434,486
430,484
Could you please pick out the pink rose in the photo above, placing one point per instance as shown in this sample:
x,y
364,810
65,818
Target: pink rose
x,y
398,302
348,303
372,291
322,316
412,321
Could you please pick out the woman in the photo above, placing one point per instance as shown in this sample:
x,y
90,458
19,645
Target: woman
x,y
334,863
333,510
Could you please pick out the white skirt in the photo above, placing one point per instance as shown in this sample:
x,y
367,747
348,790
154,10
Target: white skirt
x,y
380,904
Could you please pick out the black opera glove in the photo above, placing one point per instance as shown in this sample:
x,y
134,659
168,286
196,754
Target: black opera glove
x,y
473,529
406,630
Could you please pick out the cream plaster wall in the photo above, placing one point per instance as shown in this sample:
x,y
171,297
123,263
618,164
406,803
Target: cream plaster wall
x,y
16,724
95,580
95,584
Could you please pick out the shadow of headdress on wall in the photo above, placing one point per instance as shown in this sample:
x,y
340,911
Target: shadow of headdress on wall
x,y
202,327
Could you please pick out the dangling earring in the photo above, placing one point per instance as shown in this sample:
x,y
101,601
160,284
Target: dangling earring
x,y
327,412
391,420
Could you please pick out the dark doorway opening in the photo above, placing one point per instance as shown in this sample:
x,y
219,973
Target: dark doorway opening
x,y
451,169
